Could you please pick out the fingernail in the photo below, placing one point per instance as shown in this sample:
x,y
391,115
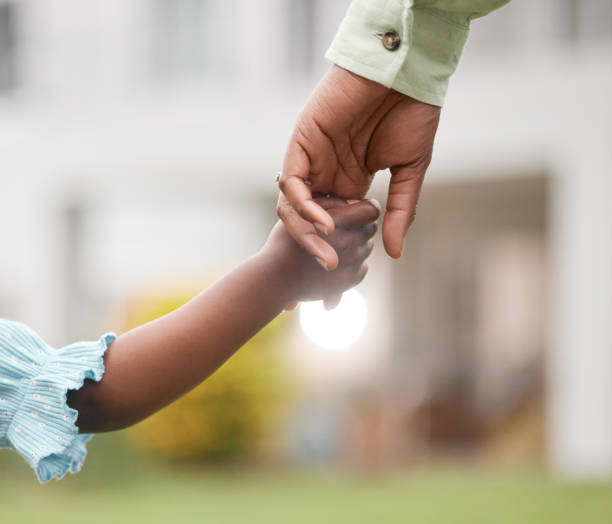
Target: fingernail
x,y
322,228
353,201
322,263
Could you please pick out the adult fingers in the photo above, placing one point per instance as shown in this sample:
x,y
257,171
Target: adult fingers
x,y
306,235
299,196
404,189
292,184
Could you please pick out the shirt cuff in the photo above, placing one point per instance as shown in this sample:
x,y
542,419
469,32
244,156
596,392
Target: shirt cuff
x,y
431,43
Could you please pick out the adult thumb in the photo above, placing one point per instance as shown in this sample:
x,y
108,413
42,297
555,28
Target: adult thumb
x,y
404,189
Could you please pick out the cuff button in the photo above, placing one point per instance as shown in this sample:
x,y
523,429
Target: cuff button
x,y
391,40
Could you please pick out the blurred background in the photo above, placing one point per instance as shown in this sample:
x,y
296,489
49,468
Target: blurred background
x,y
470,381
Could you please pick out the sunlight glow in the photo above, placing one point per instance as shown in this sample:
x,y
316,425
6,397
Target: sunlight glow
x,y
338,328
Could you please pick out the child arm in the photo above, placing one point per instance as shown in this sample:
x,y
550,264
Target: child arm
x,y
152,365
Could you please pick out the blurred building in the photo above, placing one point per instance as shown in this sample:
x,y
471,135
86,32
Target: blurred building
x,y
139,140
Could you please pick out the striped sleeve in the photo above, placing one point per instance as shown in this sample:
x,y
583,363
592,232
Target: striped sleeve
x,y
35,419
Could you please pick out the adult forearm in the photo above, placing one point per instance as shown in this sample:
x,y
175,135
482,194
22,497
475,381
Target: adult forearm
x,y
150,366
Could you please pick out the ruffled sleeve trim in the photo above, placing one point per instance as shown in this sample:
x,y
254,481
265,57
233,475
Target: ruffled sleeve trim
x,y
43,429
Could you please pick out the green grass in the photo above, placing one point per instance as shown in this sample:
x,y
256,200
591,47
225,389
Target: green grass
x,y
438,496
134,491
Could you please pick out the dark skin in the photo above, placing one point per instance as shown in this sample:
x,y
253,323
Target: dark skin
x,y
349,129
149,367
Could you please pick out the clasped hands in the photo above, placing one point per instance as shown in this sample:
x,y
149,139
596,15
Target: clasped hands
x,y
349,129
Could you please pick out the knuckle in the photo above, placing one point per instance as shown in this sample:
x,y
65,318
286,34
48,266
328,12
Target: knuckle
x,y
340,241
281,211
369,230
282,183
363,252
299,207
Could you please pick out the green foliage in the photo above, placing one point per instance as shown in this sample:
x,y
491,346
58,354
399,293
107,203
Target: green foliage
x,y
233,414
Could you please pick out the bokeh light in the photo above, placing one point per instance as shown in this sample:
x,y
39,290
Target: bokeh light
x,y
337,328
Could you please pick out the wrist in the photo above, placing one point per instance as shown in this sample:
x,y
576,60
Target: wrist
x,y
278,272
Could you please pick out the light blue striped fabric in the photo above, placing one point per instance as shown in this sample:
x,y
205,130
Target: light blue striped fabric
x,y
35,419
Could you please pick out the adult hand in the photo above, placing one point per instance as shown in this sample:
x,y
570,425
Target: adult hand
x,y
350,128
354,220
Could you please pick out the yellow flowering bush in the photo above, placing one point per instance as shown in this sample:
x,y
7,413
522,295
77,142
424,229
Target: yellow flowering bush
x,y
234,413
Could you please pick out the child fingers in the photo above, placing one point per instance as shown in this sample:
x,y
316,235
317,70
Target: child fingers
x,y
343,239
346,278
356,215
332,301
360,274
369,230
358,254
328,203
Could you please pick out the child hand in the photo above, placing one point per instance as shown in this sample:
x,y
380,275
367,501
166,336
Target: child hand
x,y
304,279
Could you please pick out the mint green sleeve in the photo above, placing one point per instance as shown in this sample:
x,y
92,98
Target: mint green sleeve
x,y
432,35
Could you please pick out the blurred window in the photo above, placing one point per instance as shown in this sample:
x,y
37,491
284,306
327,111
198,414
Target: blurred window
x,y
301,37
7,45
179,31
